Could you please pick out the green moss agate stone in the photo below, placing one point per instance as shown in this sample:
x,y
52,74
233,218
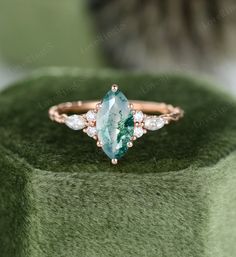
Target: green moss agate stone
x,y
115,124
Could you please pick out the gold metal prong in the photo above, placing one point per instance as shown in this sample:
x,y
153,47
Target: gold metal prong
x,y
99,144
95,137
114,161
114,88
129,144
131,106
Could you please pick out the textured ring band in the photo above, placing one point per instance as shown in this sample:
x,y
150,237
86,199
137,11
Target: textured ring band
x,y
115,122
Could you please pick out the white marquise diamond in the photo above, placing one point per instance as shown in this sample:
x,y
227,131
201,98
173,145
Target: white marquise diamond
x,y
154,123
91,116
138,116
75,122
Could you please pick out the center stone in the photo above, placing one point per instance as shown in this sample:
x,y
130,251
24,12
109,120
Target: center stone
x,y
115,124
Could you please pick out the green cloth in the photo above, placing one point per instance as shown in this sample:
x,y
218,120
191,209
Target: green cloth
x,y
172,195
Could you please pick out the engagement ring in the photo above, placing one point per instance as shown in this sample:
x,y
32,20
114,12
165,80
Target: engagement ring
x,y
115,123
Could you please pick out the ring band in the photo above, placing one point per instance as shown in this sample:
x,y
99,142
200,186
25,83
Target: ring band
x,y
115,122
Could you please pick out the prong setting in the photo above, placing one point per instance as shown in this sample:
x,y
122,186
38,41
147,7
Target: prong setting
x,y
138,124
99,144
144,131
114,88
131,106
130,144
114,161
98,106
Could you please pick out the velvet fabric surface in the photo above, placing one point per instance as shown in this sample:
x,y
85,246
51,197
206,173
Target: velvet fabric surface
x,y
172,195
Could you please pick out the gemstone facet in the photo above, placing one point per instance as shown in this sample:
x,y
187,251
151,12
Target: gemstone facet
x,y
75,122
138,132
154,123
91,131
115,124
138,116
91,116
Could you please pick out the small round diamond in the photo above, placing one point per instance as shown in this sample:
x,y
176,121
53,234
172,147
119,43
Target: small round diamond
x,y
138,131
75,122
91,116
138,116
154,123
91,131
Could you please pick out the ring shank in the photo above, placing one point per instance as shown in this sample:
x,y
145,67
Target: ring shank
x,y
59,112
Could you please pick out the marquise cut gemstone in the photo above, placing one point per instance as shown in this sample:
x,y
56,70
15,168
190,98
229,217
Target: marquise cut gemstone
x,y
154,123
75,122
115,124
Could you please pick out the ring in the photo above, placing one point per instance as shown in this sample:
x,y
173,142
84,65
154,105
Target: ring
x,y
115,123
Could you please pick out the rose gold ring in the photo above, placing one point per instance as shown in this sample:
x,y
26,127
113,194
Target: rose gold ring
x,y
115,123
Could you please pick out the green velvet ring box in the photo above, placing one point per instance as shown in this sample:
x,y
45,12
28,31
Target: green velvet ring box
x,y
172,195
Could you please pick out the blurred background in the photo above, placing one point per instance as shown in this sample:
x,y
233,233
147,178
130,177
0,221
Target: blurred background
x,y
196,37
